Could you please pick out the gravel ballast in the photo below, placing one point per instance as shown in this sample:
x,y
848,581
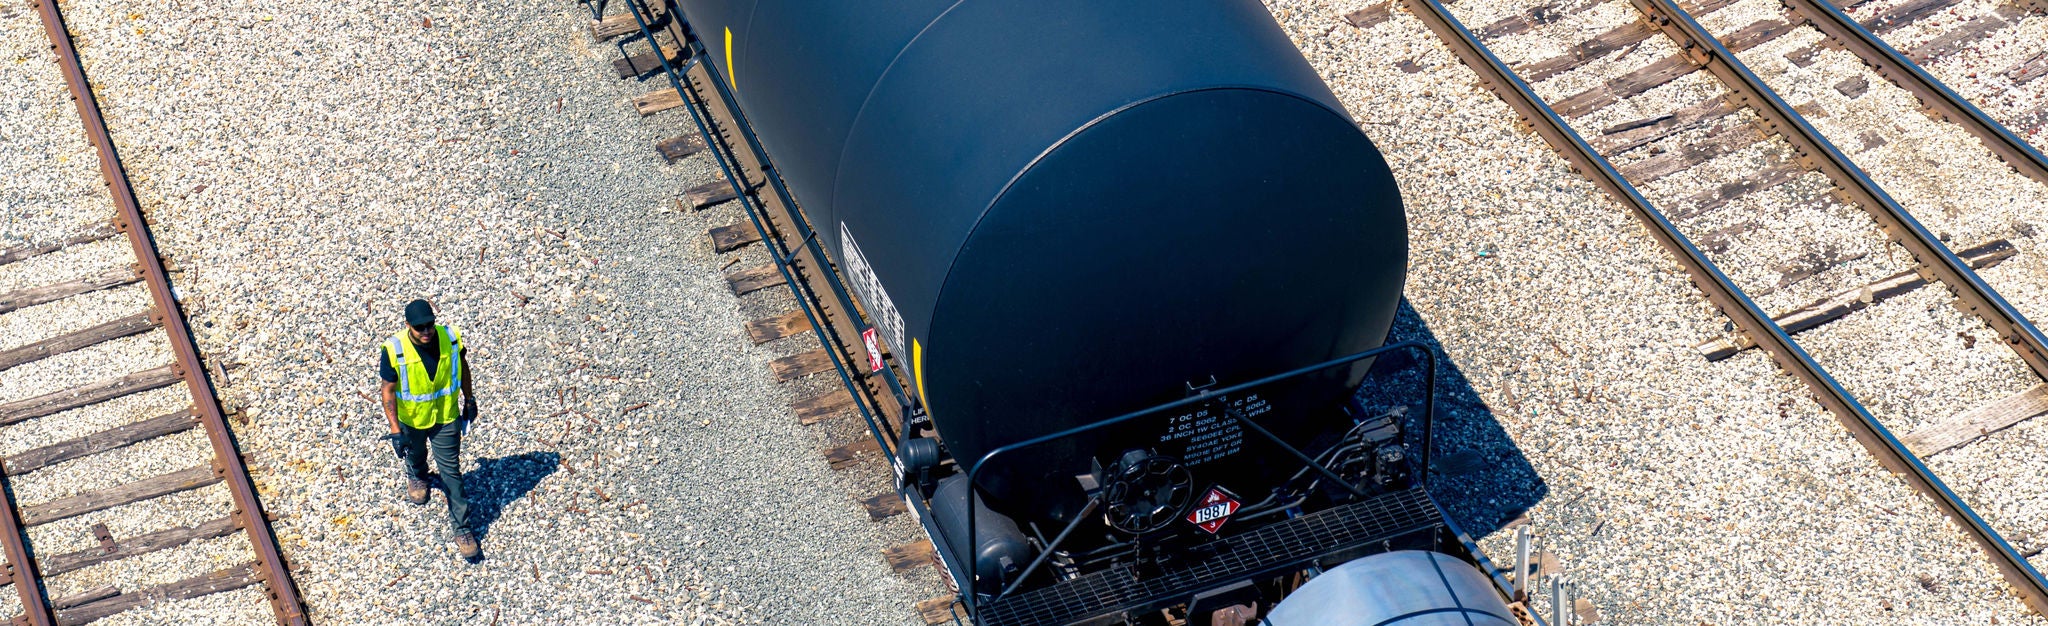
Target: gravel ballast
x,y
634,464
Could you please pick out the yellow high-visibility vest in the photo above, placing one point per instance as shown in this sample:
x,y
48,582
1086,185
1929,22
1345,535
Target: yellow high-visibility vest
x,y
424,402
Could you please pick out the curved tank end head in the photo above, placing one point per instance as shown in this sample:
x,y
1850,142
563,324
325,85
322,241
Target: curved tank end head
x,y
1224,234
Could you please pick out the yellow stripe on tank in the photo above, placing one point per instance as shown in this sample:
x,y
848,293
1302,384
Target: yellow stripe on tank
x,y
729,76
917,365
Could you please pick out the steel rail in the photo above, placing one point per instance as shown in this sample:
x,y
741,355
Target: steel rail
x,y
1934,95
21,563
1744,312
1935,260
285,601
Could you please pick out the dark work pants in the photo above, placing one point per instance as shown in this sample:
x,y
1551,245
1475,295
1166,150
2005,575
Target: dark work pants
x,y
446,440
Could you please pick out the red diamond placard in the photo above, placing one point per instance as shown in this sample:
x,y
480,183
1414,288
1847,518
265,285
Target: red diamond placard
x,y
1213,510
874,350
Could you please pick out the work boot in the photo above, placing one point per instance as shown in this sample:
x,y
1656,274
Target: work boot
x,y
466,544
416,491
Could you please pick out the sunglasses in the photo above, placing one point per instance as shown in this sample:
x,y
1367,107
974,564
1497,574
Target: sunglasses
x,y
424,329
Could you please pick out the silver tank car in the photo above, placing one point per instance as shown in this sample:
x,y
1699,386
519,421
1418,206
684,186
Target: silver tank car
x,y
1402,588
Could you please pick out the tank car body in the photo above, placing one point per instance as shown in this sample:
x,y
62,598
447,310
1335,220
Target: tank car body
x,y
1061,210
1058,211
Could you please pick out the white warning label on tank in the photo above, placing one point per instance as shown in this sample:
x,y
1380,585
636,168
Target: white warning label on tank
x,y
870,290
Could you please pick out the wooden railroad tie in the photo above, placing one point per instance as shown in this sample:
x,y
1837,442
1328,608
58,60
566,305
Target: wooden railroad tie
x,y
139,544
768,329
614,25
731,237
94,594
111,278
90,394
1951,433
801,364
679,146
1369,16
1664,70
1728,140
1853,88
132,325
97,232
1634,134
645,62
1615,39
852,453
823,406
97,608
1775,174
2029,69
909,556
110,439
754,279
884,505
938,610
102,499
1834,307
709,194
1523,22
1622,87
1883,23
2001,18
657,101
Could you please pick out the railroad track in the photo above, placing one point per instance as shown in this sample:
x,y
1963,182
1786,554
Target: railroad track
x,y
33,573
824,311
1903,68
1746,115
1870,37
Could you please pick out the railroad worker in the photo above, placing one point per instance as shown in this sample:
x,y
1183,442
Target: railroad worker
x,y
423,367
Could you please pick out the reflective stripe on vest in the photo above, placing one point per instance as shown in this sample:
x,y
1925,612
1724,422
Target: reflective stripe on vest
x,y
425,401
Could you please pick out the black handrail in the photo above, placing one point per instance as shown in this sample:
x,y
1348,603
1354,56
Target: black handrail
x,y
1428,419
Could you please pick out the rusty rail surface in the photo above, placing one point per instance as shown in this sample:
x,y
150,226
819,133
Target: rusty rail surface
x,y
21,566
1750,318
285,601
1934,95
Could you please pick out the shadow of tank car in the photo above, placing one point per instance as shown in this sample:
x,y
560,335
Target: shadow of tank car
x,y
1482,480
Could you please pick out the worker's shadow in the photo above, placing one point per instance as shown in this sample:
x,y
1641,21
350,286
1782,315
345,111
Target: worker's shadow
x,y
498,481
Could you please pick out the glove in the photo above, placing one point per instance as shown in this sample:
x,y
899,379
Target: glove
x,y
397,444
468,415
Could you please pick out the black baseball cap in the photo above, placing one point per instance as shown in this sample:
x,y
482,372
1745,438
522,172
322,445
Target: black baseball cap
x,y
419,313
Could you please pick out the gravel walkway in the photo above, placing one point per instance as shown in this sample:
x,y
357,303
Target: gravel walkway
x,y
1677,491
635,464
